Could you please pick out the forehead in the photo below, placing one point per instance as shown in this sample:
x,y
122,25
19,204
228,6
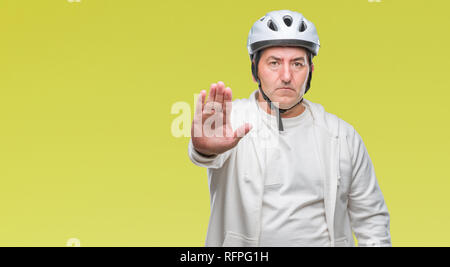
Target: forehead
x,y
284,52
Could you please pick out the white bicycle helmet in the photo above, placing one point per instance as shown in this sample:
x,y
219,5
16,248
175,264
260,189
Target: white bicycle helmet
x,y
282,28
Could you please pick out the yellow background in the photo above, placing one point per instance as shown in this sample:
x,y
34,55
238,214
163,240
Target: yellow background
x,y
86,91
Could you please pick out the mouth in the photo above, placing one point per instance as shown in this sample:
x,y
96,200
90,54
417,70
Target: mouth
x,y
285,88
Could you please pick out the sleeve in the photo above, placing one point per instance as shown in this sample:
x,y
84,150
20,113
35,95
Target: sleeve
x,y
367,209
214,162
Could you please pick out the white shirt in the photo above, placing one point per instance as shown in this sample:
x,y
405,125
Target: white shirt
x,y
293,212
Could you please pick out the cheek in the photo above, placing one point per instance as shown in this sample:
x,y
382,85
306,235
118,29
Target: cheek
x,y
304,74
302,77
268,77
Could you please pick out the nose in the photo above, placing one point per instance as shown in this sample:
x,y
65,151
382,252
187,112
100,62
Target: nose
x,y
286,73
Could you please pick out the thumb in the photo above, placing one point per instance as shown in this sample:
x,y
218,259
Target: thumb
x,y
242,131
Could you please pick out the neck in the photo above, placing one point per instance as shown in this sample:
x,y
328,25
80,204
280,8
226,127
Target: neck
x,y
297,110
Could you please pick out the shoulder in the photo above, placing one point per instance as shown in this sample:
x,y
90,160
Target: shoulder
x,y
244,102
244,106
243,110
346,129
331,122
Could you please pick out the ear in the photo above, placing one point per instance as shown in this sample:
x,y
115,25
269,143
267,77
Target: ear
x,y
253,77
312,67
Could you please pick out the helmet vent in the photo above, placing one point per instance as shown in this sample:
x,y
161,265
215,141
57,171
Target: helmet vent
x,y
287,20
261,19
302,27
272,25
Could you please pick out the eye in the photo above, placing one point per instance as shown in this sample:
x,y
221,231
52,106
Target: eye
x,y
273,63
298,64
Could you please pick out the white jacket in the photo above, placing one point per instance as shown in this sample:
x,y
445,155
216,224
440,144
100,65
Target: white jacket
x,y
353,199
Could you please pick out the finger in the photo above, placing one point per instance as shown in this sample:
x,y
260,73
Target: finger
x,y
210,108
199,107
212,93
242,131
219,92
227,96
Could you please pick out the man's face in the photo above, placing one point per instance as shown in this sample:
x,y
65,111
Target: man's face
x,y
283,72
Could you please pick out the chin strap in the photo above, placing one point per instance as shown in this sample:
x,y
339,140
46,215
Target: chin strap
x,y
278,111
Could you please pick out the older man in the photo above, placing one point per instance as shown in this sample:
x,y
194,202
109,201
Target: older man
x,y
302,177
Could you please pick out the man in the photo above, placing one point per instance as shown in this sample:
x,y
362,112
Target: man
x,y
303,176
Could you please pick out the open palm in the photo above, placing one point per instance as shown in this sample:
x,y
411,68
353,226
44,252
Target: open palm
x,y
211,130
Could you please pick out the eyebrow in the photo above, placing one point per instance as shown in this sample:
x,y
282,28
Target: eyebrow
x,y
295,59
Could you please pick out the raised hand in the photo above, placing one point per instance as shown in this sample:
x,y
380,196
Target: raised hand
x,y
211,130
